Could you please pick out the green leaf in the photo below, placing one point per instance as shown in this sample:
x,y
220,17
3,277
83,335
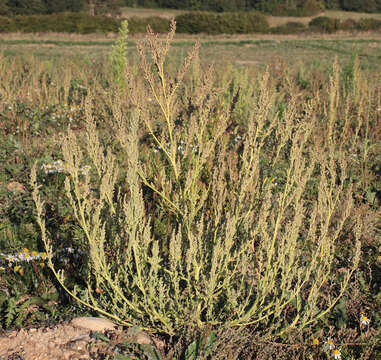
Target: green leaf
x,y
10,311
122,357
195,349
151,352
209,344
371,196
100,336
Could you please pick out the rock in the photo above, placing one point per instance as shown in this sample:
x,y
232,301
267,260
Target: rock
x,y
93,323
139,337
16,187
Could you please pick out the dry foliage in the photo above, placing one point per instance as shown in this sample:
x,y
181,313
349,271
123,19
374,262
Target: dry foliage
x,y
230,215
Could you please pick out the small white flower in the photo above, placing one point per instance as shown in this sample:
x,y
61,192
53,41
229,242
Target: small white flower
x,y
364,320
329,344
336,353
10,258
237,139
22,256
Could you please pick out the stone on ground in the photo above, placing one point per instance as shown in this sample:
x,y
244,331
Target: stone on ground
x,y
93,323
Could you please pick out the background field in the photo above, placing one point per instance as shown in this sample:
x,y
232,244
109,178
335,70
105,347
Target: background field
x,y
128,12
168,13
244,50
250,50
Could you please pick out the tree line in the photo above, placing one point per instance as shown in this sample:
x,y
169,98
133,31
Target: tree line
x,y
275,7
30,7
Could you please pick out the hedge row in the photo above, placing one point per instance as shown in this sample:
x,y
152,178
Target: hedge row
x,y
324,24
331,25
192,23
220,23
77,23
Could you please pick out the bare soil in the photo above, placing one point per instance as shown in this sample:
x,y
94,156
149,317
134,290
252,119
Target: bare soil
x,y
61,342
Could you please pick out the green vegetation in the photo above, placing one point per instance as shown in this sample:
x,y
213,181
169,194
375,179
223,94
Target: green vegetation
x,y
230,213
325,24
191,23
30,7
226,23
275,7
300,55
80,23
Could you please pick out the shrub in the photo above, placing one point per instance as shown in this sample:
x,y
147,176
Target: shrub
x,y
303,8
237,249
157,24
324,24
64,22
291,27
366,24
369,6
256,22
197,22
228,23
4,9
78,23
348,25
6,24
311,7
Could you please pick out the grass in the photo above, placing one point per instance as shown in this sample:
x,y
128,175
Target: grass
x,y
143,13
273,20
285,162
256,52
342,15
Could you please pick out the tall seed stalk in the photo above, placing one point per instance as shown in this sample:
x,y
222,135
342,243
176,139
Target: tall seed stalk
x,y
240,249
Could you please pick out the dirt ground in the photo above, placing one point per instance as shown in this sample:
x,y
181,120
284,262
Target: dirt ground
x,y
65,342
62,342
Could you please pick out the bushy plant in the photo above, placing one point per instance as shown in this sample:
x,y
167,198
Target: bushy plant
x,y
294,8
291,27
158,24
239,249
366,24
311,7
369,6
118,57
348,25
228,23
5,24
324,24
78,23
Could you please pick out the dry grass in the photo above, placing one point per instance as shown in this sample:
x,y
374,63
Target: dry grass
x,y
281,20
244,50
342,15
51,36
273,20
142,13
